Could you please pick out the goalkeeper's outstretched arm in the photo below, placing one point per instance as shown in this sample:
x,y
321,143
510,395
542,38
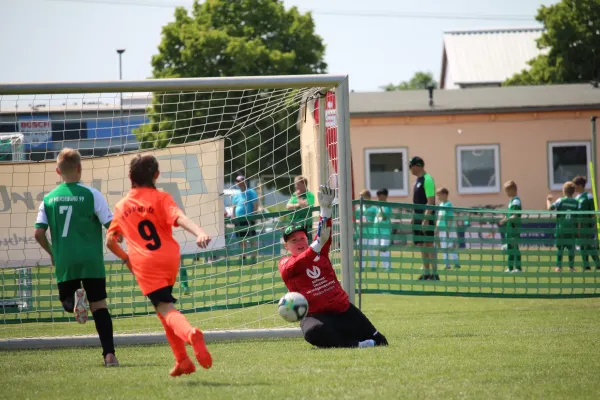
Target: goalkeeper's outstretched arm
x,y
322,241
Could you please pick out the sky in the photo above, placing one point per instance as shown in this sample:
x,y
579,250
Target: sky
x,y
374,42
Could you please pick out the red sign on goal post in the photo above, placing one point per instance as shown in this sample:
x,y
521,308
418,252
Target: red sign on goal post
x,y
331,132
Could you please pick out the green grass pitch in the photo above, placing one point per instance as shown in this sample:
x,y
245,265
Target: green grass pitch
x,y
440,347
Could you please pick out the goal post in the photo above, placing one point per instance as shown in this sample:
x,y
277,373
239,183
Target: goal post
x,y
204,131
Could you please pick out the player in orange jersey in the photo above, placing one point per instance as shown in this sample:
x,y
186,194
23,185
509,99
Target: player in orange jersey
x,y
145,217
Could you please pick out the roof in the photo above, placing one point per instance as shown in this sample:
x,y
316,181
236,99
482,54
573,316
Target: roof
x,y
476,100
486,56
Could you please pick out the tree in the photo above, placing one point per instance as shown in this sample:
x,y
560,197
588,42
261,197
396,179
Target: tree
x,y
221,38
570,44
420,80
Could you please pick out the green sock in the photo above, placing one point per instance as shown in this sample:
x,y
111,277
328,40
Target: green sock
x,y
183,278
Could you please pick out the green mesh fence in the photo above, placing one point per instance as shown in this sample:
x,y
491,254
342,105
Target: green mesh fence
x,y
233,277
474,254
224,279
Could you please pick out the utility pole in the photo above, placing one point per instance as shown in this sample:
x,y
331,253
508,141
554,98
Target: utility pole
x,y
120,52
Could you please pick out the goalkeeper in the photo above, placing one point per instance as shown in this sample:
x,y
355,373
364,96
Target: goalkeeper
x,y
331,321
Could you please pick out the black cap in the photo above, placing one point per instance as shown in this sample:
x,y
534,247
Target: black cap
x,y
287,232
240,178
416,161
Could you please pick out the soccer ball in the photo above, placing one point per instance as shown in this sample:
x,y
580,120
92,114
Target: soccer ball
x,y
293,307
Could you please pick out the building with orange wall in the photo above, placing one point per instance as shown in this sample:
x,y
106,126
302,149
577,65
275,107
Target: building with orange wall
x,y
472,140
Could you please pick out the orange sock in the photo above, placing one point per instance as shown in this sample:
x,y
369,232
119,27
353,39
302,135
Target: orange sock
x,y
180,325
177,345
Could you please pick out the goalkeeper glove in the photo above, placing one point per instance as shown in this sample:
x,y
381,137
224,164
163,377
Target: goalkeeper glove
x,y
326,196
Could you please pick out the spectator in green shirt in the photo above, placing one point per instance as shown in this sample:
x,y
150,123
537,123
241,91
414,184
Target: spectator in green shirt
x,y
300,202
588,241
446,229
369,235
512,227
383,225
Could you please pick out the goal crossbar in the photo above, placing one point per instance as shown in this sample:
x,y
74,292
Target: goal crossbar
x,y
158,85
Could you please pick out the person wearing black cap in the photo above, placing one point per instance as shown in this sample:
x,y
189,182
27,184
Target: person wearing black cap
x,y
423,219
332,321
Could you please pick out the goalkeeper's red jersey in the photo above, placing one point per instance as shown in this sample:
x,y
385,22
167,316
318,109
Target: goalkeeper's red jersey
x,y
312,275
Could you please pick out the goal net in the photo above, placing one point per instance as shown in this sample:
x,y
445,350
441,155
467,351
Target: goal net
x,y
217,141
11,147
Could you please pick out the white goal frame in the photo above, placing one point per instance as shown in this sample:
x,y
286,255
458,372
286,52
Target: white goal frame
x,y
339,82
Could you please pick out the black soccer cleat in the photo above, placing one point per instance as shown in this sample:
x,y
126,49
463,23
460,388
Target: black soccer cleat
x,y
380,340
424,277
435,277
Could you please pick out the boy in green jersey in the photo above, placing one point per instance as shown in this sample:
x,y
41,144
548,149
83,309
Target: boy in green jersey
x,y
566,225
369,234
383,227
512,225
75,214
301,201
588,242
446,229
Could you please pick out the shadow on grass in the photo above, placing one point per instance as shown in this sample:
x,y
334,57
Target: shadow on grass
x,y
139,365
222,384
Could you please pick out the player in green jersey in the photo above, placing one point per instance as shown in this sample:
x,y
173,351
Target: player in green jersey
x,y
446,229
512,227
301,202
588,241
75,214
566,225
369,234
383,228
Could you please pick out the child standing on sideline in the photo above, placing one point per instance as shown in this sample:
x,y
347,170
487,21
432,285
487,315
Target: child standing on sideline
x,y
566,226
145,217
369,241
383,227
446,230
512,224
588,240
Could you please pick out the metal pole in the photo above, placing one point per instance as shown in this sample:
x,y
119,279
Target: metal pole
x,y
345,184
593,120
360,254
323,161
170,84
120,52
593,170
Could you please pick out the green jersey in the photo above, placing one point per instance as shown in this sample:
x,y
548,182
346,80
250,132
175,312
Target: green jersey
x,y
566,225
513,225
75,214
302,215
585,202
445,216
383,222
369,213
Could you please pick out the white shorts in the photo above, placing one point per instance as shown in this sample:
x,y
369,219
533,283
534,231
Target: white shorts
x,y
447,239
385,243
369,244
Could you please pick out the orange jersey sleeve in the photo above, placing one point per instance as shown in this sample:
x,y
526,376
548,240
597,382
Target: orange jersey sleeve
x,y
145,217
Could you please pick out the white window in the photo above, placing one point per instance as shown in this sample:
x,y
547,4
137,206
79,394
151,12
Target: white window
x,y
387,168
566,160
478,169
